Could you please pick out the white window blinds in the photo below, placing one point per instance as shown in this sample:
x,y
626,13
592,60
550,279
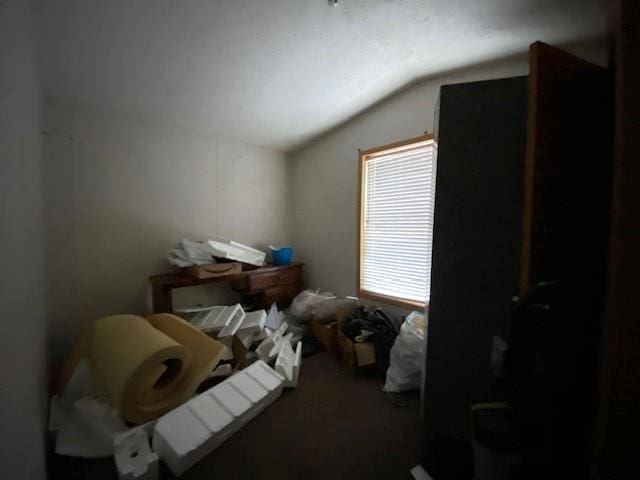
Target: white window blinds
x,y
397,222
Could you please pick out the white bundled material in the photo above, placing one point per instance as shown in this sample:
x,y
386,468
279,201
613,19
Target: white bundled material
x,y
101,419
238,252
188,253
307,301
72,436
407,356
83,423
134,459
185,435
288,364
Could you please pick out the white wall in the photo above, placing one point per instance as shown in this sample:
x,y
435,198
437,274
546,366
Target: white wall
x,y
121,191
324,175
23,329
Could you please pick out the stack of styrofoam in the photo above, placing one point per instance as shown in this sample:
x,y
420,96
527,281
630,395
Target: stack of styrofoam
x,y
270,346
225,319
252,326
185,435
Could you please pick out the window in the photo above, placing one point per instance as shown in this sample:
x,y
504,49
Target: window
x,y
396,222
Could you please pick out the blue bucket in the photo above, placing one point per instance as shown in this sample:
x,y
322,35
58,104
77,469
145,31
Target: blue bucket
x,y
282,256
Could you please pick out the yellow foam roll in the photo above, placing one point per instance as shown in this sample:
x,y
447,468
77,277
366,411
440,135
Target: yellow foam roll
x,y
149,367
206,352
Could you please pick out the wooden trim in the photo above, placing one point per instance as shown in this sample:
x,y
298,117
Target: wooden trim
x,y
396,145
529,168
398,302
619,389
364,156
361,160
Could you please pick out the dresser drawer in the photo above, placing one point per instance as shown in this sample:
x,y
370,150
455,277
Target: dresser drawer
x,y
282,296
262,281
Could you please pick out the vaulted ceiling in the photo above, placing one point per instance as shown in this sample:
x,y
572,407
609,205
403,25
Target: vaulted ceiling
x,y
279,72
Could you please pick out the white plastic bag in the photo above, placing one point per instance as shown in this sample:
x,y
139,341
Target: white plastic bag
x,y
406,360
305,304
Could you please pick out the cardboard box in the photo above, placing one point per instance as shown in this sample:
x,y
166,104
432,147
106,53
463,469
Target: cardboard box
x,y
215,270
326,335
354,354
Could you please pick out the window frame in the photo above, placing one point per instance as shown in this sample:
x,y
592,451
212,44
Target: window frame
x,y
363,156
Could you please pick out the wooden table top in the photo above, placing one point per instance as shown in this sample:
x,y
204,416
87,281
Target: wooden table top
x,y
180,278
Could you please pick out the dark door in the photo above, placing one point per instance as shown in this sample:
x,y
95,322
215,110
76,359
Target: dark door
x,y
619,400
565,238
567,170
475,266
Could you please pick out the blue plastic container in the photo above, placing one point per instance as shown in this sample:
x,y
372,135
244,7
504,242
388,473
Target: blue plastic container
x,y
282,256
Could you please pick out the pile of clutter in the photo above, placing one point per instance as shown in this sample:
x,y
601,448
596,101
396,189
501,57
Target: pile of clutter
x,y
366,336
185,386
248,337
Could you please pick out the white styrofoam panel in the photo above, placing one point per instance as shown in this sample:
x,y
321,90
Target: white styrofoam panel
x,y
211,412
265,376
268,344
236,317
183,428
278,344
253,321
288,364
188,433
249,387
231,398
218,318
134,459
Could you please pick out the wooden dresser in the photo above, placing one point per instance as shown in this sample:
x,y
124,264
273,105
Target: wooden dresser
x,y
259,286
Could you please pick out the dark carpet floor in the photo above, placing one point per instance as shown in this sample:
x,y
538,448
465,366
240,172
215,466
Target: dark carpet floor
x,y
335,425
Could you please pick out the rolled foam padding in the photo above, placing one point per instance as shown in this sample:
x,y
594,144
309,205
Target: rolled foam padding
x,y
206,352
148,367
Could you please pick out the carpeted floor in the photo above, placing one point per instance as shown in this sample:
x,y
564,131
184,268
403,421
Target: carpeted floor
x,y
334,426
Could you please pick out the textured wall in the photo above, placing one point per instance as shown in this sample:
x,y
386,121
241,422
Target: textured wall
x,y
23,329
122,191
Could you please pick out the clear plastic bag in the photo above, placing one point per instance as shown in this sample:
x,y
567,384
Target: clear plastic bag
x,y
333,309
305,304
407,357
